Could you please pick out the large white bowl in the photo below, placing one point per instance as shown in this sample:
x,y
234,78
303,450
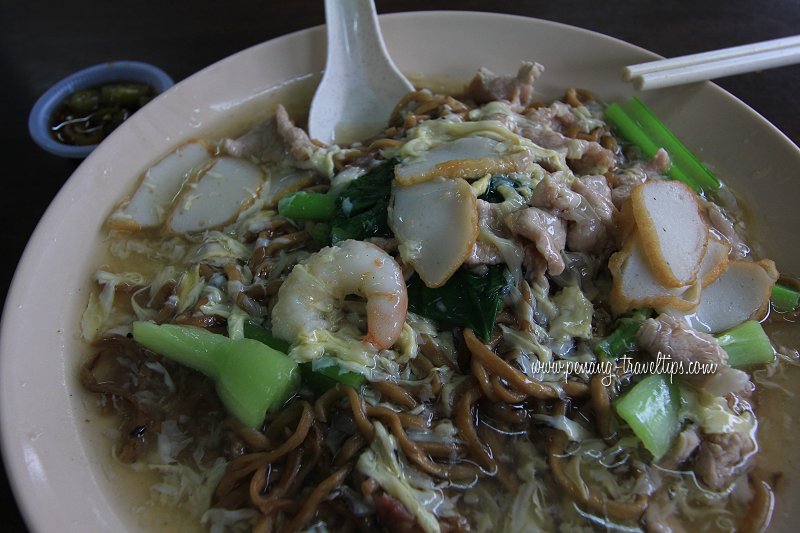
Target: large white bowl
x,y
57,462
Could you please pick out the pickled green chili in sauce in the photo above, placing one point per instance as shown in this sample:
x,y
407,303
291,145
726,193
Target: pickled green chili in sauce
x,y
89,115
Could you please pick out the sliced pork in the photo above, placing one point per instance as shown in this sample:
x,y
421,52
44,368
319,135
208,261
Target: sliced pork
x,y
625,180
721,457
296,140
547,232
674,338
487,86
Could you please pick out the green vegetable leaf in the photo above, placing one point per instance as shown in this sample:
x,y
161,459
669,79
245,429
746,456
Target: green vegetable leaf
x,y
623,339
323,374
361,210
321,232
373,223
467,299
492,194
263,335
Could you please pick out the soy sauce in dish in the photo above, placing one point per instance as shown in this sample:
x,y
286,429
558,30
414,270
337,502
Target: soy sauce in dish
x,y
89,115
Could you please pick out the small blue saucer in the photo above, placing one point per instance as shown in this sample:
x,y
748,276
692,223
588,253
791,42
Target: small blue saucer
x,y
38,121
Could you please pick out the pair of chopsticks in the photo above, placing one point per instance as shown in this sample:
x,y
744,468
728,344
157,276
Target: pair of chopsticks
x,y
714,64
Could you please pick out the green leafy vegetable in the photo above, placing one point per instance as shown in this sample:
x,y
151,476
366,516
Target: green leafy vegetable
x,y
263,335
623,339
747,344
321,232
323,374
251,377
492,194
651,410
319,375
467,299
361,210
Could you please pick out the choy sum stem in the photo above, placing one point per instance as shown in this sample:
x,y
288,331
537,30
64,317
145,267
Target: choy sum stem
x,y
640,126
746,344
651,410
308,206
784,299
251,377
699,176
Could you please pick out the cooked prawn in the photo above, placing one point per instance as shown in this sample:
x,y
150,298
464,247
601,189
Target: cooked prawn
x,y
312,294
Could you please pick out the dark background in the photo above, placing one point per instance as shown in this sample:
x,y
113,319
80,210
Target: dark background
x,y
42,42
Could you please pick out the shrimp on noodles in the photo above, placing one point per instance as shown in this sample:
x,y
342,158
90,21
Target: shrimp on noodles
x,y
310,298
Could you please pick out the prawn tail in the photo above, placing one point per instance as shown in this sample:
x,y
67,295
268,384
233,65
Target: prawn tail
x,y
386,315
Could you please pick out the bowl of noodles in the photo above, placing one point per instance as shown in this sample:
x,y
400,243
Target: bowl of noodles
x,y
426,331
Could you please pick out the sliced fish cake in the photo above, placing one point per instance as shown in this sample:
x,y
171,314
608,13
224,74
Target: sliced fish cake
x,y
672,230
150,204
741,293
436,224
217,197
468,158
635,285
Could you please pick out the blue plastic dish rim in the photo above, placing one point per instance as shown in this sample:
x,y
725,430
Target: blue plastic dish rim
x,y
38,120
